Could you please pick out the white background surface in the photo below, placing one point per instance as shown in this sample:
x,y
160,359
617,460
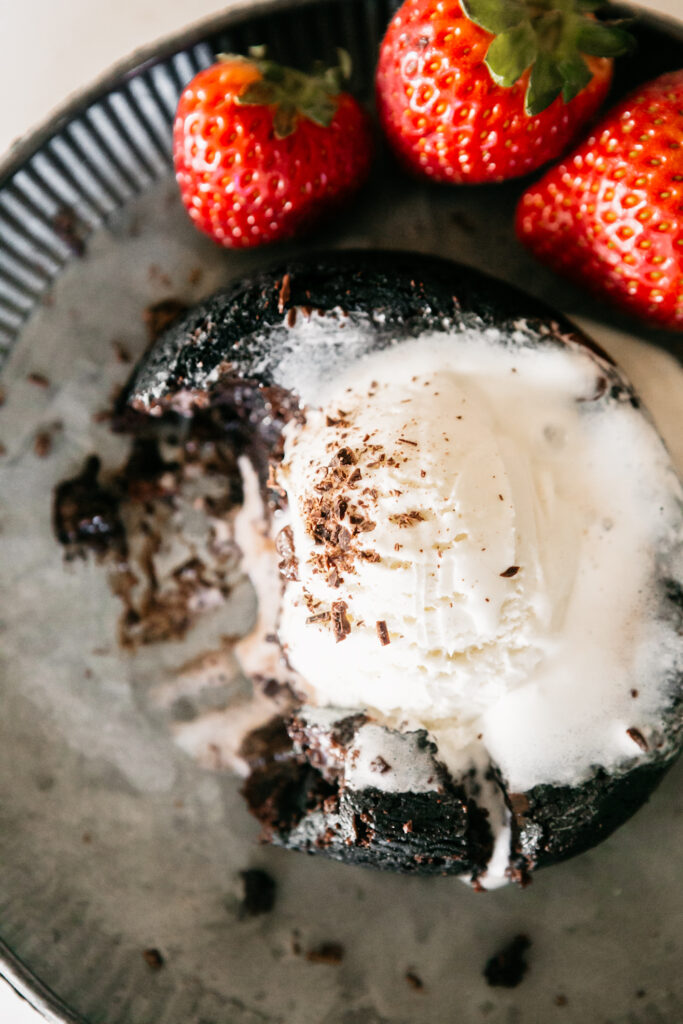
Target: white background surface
x,y
51,48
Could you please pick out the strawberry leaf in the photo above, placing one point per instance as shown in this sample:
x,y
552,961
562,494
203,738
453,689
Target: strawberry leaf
x,y
545,85
284,120
552,32
494,15
599,39
261,92
575,76
292,94
319,109
511,53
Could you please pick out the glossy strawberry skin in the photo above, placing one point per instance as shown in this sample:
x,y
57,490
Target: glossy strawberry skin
x,y
243,186
446,118
610,216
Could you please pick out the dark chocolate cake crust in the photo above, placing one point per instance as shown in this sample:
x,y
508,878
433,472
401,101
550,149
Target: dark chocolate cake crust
x,y
238,335
230,351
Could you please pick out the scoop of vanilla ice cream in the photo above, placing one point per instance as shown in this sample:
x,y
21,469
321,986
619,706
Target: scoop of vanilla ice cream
x,y
434,541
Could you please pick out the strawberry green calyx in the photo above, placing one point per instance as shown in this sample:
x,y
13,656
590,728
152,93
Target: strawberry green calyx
x,y
550,37
294,93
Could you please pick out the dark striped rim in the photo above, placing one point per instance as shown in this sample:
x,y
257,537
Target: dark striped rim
x,y
113,141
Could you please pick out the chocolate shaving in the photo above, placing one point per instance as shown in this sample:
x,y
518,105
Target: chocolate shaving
x,y
509,572
637,737
288,564
407,518
319,617
404,440
284,293
340,623
382,632
414,981
39,379
369,556
378,764
344,457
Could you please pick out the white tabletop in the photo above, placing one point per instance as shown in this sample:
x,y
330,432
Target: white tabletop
x,y
49,50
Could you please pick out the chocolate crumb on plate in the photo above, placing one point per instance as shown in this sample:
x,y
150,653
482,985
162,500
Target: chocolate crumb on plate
x,y
383,633
121,351
39,379
326,953
414,980
561,999
161,315
153,959
86,514
259,892
69,227
42,443
510,571
507,967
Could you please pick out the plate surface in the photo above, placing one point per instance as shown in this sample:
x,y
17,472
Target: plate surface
x,y
112,840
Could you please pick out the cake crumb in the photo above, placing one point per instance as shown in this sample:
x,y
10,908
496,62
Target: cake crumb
x,y
259,892
121,352
326,953
161,315
153,959
507,967
42,443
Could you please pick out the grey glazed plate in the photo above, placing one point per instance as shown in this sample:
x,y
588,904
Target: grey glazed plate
x,y
112,840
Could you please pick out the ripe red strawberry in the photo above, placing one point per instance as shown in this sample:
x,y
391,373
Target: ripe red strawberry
x,y
262,151
486,90
610,216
